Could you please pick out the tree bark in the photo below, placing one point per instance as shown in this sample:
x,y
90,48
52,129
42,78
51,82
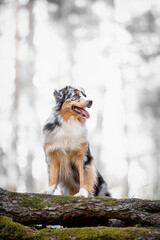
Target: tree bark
x,y
68,211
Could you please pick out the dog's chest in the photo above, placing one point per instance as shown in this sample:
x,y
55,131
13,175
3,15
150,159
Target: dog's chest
x,y
69,135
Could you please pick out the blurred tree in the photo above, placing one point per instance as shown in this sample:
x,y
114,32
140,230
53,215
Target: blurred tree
x,y
145,33
145,30
150,108
29,91
23,97
13,168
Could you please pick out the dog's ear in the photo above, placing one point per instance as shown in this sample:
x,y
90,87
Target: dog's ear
x,y
58,96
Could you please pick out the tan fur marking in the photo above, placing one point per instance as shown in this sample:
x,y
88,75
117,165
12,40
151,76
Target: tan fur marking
x,y
54,168
79,152
88,175
79,165
66,110
84,176
89,178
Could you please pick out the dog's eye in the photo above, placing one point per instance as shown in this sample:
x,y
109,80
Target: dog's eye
x,y
76,92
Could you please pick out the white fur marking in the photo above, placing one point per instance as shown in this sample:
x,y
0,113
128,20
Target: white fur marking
x,y
51,189
57,192
82,193
69,135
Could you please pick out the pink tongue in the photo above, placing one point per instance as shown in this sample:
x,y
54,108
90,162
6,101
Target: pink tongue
x,y
84,112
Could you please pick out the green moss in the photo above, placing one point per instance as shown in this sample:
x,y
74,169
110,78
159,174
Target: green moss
x,y
12,230
44,234
64,199
108,201
93,209
33,202
92,233
40,201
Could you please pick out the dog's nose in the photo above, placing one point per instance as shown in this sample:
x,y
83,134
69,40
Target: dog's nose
x,y
89,103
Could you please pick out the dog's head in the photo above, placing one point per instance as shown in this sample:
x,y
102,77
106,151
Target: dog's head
x,y
72,101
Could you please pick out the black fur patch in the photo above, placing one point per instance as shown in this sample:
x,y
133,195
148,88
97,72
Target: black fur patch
x,y
100,189
88,156
51,126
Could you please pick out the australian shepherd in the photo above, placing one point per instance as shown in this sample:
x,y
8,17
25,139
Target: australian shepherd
x,y
70,163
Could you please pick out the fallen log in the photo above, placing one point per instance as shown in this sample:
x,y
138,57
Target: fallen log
x,y
11,230
68,211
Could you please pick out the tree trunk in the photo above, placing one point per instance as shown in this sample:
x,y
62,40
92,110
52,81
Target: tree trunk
x,y
68,211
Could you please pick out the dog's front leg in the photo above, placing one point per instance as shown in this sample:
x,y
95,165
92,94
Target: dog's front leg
x,y
53,172
87,173
87,180
83,192
78,159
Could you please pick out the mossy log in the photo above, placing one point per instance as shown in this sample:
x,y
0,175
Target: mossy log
x,y
68,211
11,230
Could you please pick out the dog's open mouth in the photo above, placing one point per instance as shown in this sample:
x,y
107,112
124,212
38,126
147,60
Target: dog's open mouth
x,y
81,111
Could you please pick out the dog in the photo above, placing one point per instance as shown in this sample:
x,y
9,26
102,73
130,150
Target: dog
x,y
70,163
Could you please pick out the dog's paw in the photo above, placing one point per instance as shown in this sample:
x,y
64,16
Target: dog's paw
x,y
57,192
82,193
51,189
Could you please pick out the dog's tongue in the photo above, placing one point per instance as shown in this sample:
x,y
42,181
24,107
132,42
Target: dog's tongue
x,y
83,112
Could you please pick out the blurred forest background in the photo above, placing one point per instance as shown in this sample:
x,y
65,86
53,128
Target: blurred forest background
x,y
111,48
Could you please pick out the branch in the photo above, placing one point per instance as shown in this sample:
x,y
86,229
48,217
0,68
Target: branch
x,y
68,211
